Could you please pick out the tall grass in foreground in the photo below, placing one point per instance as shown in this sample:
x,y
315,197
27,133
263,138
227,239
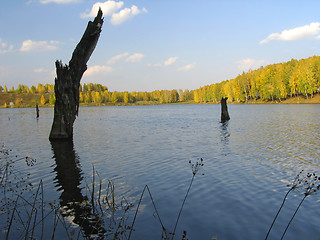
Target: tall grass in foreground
x,y
165,231
25,214
310,184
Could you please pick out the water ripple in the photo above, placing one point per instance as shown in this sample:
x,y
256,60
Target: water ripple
x,y
248,163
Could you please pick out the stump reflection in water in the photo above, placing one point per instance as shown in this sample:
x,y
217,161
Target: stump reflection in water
x,y
73,204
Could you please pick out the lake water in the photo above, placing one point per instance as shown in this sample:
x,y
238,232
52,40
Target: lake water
x,y
248,164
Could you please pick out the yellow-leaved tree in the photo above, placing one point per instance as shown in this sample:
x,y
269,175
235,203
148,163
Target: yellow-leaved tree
x,y
42,100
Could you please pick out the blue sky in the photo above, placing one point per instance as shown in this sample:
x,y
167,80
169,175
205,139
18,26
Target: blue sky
x,y
155,44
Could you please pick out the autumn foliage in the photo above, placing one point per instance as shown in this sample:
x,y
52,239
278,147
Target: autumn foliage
x,y
275,82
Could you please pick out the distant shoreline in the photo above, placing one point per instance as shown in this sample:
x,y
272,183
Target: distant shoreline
x,y
292,100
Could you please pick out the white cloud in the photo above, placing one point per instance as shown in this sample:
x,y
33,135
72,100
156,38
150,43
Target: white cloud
x,y
170,61
154,65
59,1
125,14
108,8
117,58
187,67
97,69
310,31
40,70
136,57
51,73
248,63
5,47
30,45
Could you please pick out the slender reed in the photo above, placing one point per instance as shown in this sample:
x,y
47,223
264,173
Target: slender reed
x,y
42,210
155,208
10,223
92,193
121,224
99,195
295,184
275,218
55,223
312,186
33,209
293,216
195,168
110,193
184,200
34,223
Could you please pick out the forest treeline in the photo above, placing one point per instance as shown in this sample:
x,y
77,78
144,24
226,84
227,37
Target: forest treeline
x,y
89,94
273,82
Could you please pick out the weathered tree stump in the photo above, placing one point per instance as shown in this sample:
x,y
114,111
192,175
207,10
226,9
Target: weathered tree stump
x,y
37,111
224,110
67,82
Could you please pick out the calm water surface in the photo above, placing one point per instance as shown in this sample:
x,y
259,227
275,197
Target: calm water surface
x,y
235,195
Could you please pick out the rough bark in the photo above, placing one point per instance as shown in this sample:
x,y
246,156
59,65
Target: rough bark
x,y
224,110
67,82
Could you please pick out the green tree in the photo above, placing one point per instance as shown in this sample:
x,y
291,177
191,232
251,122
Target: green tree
x,y
33,89
156,95
84,88
106,96
115,97
52,99
293,82
96,97
181,95
229,89
41,89
174,96
188,95
125,97
81,97
49,88
87,97
18,102
22,89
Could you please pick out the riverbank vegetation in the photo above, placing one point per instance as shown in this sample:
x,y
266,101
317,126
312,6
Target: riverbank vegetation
x,y
295,81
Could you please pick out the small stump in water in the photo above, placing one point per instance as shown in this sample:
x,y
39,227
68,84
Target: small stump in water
x,y
37,111
224,110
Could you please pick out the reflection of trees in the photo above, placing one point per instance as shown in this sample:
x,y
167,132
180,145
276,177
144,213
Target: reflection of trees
x,y
73,203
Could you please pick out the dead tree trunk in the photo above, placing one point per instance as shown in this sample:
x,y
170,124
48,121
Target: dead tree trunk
x,y
68,78
224,110
37,111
